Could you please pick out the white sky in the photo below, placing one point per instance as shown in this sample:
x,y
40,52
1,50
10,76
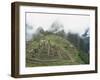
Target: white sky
x,y
73,23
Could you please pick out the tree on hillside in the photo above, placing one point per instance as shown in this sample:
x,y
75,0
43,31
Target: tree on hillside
x,y
86,33
74,39
86,37
61,33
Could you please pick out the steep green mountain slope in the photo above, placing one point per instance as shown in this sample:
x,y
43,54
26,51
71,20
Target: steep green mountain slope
x,y
51,50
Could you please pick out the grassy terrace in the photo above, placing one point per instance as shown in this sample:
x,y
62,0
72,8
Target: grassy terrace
x,y
51,50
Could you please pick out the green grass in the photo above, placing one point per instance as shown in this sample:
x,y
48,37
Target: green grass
x,y
62,52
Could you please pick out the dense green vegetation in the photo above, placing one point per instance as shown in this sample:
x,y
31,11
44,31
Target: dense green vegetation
x,y
55,47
